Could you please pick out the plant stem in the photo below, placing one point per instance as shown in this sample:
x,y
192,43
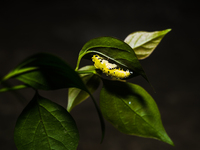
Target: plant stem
x,y
86,71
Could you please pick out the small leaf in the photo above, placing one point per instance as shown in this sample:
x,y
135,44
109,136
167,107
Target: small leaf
x,y
114,50
132,110
46,72
143,43
46,125
75,95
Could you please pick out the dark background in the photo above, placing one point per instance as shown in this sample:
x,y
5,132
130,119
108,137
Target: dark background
x,y
62,28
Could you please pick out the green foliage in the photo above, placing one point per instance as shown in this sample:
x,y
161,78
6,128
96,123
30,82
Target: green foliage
x,y
116,51
46,72
44,124
132,110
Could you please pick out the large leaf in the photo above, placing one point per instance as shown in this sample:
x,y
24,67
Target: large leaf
x,y
46,72
75,95
46,125
132,110
143,43
116,51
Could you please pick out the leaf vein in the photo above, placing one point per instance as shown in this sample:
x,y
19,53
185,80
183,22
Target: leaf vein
x,y
140,116
56,119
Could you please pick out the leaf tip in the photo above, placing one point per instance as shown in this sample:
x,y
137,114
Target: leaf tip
x,y
165,138
170,142
167,30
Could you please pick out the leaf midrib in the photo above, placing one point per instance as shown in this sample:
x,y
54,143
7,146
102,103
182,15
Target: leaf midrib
x,y
146,42
139,115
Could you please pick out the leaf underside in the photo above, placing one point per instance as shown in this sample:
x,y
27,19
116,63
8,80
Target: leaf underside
x,y
143,43
75,95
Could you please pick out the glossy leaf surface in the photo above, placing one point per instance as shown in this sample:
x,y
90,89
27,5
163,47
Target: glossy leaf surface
x,y
46,125
143,43
114,50
46,72
75,95
132,110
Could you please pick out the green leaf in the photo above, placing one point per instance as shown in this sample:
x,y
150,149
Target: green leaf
x,y
17,87
46,125
46,72
75,95
132,110
143,43
116,51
